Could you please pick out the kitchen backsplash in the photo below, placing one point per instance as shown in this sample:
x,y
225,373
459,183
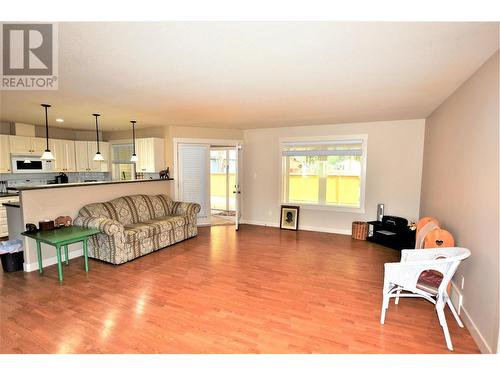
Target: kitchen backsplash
x,y
17,179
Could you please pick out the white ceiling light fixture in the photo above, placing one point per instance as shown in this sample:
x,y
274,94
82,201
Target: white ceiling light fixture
x,y
98,156
59,120
47,155
134,157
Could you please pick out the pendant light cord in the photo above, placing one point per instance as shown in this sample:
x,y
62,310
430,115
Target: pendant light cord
x,y
46,126
133,134
97,132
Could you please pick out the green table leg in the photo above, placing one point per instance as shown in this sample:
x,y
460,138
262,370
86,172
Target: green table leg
x,y
39,256
86,255
59,265
66,254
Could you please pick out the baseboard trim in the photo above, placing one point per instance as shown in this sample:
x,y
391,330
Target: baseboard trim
x,y
326,230
475,333
306,227
457,302
30,267
260,223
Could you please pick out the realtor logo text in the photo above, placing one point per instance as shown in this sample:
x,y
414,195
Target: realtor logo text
x,y
29,56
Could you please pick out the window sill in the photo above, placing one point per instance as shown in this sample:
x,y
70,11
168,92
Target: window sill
x,y
319,207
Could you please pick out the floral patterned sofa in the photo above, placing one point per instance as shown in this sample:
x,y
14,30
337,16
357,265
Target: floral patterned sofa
x,y
137,225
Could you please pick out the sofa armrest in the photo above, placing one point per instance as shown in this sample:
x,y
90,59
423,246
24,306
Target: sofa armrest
x,y
105,225
186,208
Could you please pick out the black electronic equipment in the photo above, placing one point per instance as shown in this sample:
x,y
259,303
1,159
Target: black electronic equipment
x,y
393,232
31,228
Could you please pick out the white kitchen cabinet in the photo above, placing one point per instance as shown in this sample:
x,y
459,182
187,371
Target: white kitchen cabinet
x,y
4,230
85,152
20,144
150,154
81,156
39,145
64,154
5,166
26,145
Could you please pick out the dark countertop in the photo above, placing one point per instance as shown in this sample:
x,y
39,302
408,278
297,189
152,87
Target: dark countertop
x,y
74,184
12,204
6,195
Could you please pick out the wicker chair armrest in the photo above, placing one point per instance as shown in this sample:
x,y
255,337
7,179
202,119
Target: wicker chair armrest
x,y
431,254
407,274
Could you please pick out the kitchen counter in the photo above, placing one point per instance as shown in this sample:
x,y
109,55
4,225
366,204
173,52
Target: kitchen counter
x,y
10,214
73,184
6,195
12,204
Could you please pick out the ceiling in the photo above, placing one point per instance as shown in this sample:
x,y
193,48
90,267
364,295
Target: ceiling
x,y
253,74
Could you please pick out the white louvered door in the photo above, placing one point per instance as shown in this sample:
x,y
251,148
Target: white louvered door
x,y
194,175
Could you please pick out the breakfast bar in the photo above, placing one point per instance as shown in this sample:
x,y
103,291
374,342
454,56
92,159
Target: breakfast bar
x,y
47,202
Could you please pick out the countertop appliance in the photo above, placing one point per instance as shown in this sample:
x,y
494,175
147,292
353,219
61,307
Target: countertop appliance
x,y
3,187
30,164
62,178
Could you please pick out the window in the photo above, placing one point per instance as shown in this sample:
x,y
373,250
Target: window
x,y
327,172
123,168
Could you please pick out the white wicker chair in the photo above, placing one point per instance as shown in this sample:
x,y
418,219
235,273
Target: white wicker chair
x,y
410,275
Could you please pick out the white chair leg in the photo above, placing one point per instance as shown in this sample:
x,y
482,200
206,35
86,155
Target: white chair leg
x,y
397,296
385,305
385,301
455,314
442,321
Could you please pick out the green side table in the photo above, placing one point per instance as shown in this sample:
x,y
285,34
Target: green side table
x,y
62,237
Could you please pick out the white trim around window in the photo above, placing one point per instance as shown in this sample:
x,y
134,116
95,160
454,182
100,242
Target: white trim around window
x,y
327,140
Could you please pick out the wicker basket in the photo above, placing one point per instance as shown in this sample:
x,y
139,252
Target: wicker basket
x,y
359,230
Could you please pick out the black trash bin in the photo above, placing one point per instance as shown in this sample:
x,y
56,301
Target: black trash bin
x,y
12,262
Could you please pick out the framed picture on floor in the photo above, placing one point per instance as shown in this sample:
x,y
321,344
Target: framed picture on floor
x,y
289,217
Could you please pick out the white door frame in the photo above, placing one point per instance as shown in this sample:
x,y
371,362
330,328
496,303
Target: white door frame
x,y
204,141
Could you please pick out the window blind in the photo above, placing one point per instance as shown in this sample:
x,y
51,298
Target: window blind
x,y
194,175
349,147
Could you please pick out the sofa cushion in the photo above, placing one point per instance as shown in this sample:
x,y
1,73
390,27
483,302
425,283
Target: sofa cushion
x,y
162,205
122,209
176,220
139,207
160,226
168,222
137,232
140,231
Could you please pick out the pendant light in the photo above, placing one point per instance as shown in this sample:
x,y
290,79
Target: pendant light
x,y
98,155
134,156
47,155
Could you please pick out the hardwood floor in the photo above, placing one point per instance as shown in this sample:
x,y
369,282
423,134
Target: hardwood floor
x,y
260,290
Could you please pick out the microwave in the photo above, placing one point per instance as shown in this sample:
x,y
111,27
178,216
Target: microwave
x,y
31,164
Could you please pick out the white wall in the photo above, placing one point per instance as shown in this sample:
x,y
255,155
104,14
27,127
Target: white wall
x,y
394,167
460,187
